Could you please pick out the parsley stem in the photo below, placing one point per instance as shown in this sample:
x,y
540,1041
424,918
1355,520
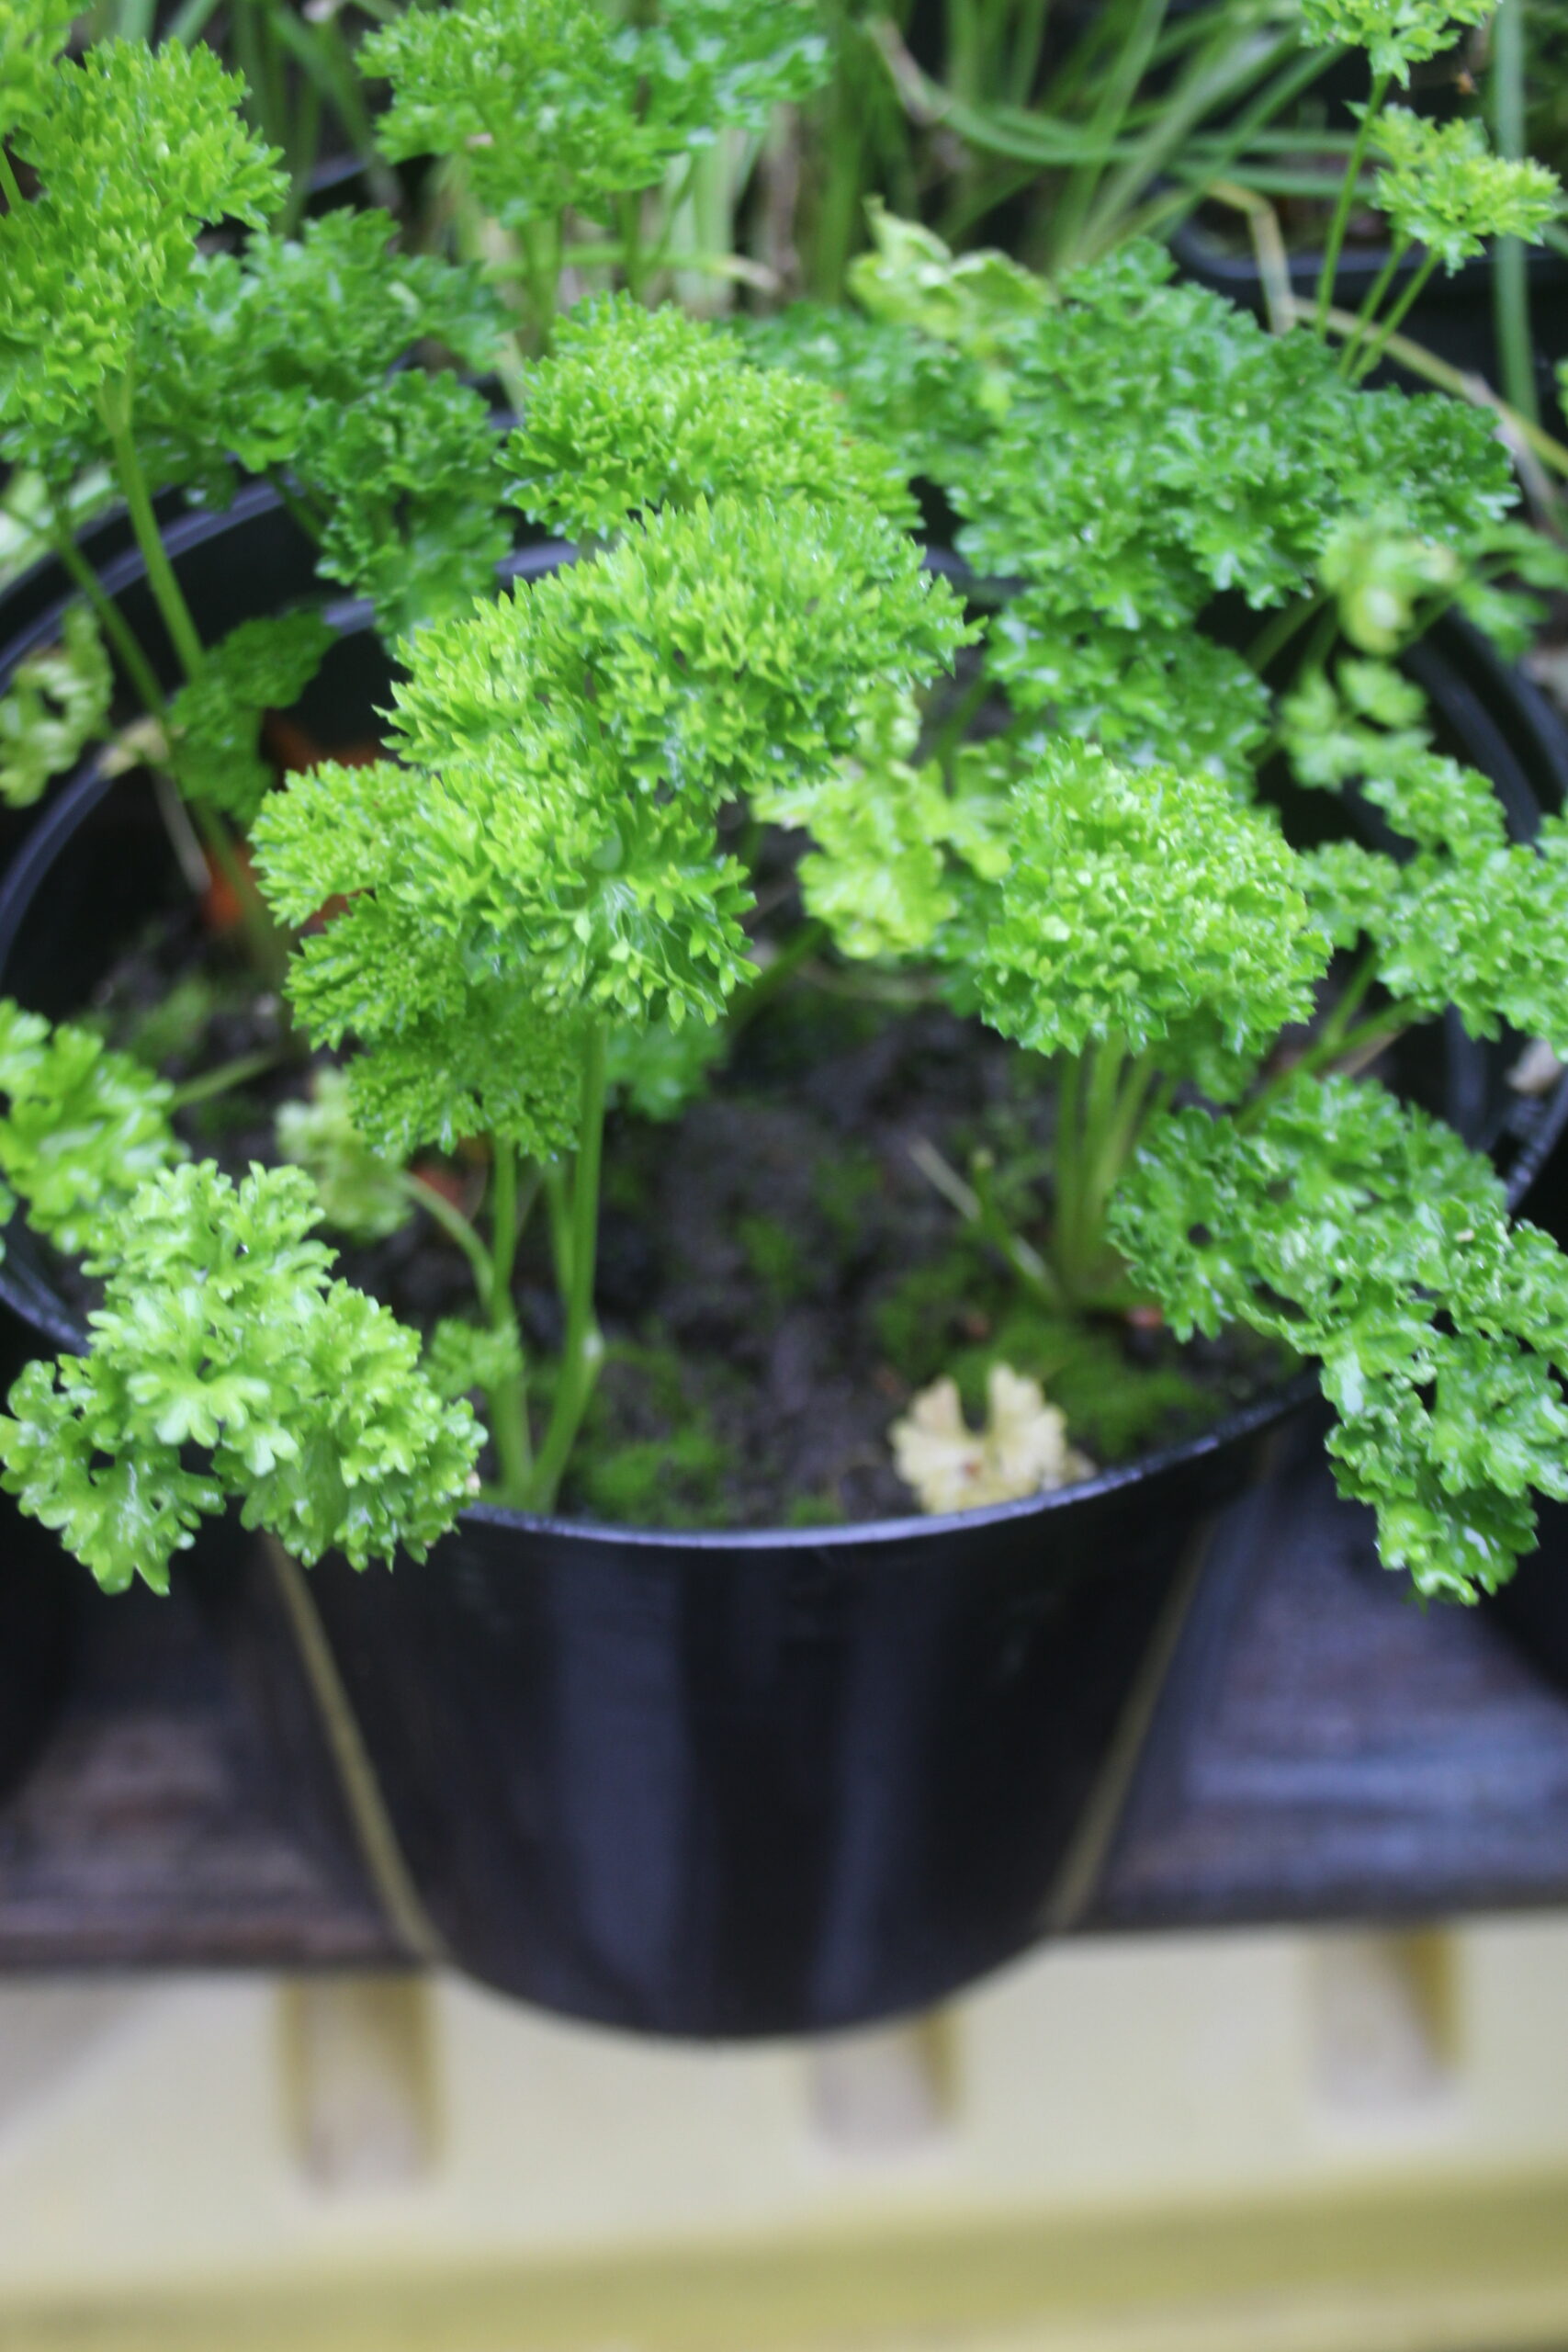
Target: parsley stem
x,y
111,621
457,1227
1517,429
9,189
1368,359
632,268
1510,282
1276,632
224,1077
113,406
1373,304
502,1219
508,1398
1348,186
583,1349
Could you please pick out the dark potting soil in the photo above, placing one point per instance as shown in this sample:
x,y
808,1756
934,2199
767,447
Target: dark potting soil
x,y
777,1277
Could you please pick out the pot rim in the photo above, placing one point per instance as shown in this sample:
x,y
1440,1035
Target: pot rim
x,y
69,809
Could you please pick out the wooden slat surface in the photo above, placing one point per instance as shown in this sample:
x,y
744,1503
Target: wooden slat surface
x,y
1322,1749
1325,1748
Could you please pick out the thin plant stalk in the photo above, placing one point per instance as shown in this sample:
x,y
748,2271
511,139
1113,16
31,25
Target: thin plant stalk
x,y
1510,278
1333,244
507,1398
582,1351
1374,347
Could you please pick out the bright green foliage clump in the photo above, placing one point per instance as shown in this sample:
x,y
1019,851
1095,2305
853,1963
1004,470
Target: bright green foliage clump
x,y
81,1127
362,1192
406,482
1442,187
1170,695
549,104
220,1333
1146,908
638,409
1366,1235
213,722
1159,449
57,704
1396,34
32,32
1468,919
137,151
265,353
917,399
547,854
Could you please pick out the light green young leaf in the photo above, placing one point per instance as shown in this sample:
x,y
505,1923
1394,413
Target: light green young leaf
x,y
1378,576
81,1129
1396,34
359,1187
57,704
1441,187
886,834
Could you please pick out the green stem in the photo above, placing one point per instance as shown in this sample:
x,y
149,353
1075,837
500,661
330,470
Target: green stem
x,y
1348,186
9,189
582,1352
1083,1159
1510,281
772,977
1373,304
1276,633
457,1227
1067,1154
113,406
224,1078
111,621
507,1398
1433,370
1122,1133
1373,350
630,208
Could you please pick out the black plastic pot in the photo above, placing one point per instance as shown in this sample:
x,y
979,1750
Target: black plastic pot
x,y
756,1783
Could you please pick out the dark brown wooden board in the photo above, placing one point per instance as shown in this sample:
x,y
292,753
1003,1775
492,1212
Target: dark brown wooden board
x,y
157,1828
1321,1749
1324,1748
